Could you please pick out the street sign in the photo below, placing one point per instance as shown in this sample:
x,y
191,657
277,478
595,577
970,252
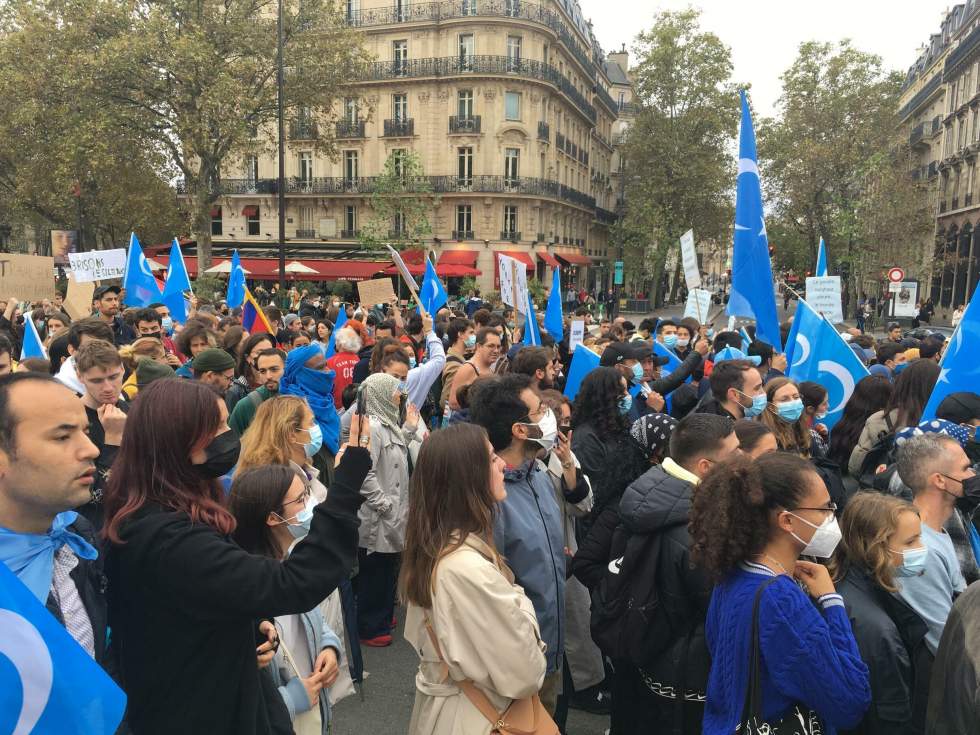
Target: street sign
x,y
896,275
618,275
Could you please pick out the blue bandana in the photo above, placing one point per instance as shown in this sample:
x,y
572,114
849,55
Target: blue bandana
x,y
31,555
316,386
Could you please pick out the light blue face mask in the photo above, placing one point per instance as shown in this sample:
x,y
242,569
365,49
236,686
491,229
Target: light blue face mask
x,y
316,440
412,362
168,325
711,333
299,525
913,561
759,404
637,372
625,404
790,410
470,342
670,340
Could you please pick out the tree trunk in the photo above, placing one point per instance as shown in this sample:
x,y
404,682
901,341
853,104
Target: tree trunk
x,y
201,226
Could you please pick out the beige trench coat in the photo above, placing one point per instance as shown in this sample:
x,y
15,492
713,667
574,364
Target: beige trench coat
x,y
488,633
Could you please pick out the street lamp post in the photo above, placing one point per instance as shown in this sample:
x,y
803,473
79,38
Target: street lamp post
x,y
281,185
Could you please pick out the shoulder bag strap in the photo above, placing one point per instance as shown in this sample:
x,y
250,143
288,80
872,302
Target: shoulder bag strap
x,y
752,708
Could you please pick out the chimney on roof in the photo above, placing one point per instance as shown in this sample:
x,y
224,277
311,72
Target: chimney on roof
x,y
621,58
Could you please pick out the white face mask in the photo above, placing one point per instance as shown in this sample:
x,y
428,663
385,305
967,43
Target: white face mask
x,y
825,538
548,425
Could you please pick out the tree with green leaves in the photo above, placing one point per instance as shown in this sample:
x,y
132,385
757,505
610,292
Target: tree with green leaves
x,y
829,158
678,162
400,204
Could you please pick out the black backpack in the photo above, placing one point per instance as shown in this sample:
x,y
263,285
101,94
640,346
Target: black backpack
x,y
881,453
628,619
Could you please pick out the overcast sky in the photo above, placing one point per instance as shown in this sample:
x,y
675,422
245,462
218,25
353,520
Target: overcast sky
x,y
764,35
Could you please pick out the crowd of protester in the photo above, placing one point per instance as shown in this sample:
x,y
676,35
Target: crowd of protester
x,y
222,519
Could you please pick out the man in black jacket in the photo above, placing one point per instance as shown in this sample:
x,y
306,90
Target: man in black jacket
x,y
47,466
659,503
737,391
107,300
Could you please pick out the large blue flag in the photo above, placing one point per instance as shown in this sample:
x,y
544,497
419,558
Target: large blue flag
x,y
960,366
752,294
32,346
553,320
532,334
821,259
332,343
48,683
236,283
178,281
433,294
584,361
673,361
821,355
138,281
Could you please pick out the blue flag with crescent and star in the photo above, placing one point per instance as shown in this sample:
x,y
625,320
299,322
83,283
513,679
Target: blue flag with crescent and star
x,y
49,683
138,281
178,281
331,347
433,294
553,320
584,361
32,346
821,259
532,335
236,283
820,354
959,367
752,294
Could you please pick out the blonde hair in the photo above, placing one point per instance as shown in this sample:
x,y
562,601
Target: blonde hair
x,y
791,437
269,438
912,353
150,347
867,522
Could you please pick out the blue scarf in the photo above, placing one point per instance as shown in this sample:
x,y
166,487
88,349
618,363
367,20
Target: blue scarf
x,y
31,555
316,386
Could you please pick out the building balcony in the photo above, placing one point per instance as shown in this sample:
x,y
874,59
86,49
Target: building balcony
x,y
560,141
463,235
628,109
606,99
451,66
464,125
306,233
399,128
349,234
544,131
511,235
605,216
350,129
239,186
452,9
916,137
302,130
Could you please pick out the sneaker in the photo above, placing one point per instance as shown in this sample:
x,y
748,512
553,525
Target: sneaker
x,y
592,700
379,641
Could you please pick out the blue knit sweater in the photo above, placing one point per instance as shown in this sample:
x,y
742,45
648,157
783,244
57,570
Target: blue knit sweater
x,y
809,655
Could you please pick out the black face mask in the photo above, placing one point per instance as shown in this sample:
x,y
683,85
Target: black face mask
x,y
221,455
968,504
972,450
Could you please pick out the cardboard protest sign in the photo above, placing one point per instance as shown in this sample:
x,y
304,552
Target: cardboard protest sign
x,y
26,277
97,265
698,303
376,291
78,300
513,282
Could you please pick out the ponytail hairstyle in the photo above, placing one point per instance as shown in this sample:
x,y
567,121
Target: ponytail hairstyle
x,y
732,512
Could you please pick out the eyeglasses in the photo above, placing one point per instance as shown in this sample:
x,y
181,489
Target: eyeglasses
x,y
304,496
829,508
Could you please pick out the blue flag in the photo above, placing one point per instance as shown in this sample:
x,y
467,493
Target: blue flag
x,y
32,345
752,293
433,294
821,355
48,683
532,334
177,283
673,361
236,283
746,340
331,343
959,367
821,259
584,361
138,281
553,320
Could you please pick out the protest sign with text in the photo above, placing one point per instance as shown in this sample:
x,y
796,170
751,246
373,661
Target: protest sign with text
x,y
823,296
377,291
97,265
698,303
26,277
689,257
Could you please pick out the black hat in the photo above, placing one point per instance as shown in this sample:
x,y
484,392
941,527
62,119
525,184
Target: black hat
x,y
961,407
97,294
617,352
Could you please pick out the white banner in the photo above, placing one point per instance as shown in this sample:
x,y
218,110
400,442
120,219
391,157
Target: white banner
x,y
513,282
97,265
906,299
698,303
576,334
823,296
692,274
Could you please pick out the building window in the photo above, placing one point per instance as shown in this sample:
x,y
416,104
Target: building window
x,y
399,107
399,55
398,162
353,10
252,168
464,167
622,98
510,220
469,7
252,220
350,165
512,8
513,53
350,219
464,104
467,48
306,167
350,110
306,227
512,105
216,223
464,219
398,223
401,10
511,166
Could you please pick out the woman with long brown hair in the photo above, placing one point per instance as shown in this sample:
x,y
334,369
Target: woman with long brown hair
x,y
185,601
785,417
475,630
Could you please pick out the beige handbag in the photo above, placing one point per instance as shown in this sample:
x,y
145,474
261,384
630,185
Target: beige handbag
x,y
309,722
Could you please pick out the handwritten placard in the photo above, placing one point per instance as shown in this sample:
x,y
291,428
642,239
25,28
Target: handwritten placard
x,y
78,299
376,291
97,265
698,303
576,334
823,295
26,277
689,257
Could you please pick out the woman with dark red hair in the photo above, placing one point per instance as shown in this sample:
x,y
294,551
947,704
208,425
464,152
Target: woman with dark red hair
x,y
188,608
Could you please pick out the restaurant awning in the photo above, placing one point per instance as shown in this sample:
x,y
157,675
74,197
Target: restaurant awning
x,y
574,258
250,210
215,211
458,257
516,255
448,270
548,259
264,269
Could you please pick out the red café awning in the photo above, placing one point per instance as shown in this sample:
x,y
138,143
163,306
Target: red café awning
x,y
520,255
457,263
548,259
264,269
215,211
574,258
250,210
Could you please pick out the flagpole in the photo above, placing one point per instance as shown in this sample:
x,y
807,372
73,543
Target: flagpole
x,y
281,184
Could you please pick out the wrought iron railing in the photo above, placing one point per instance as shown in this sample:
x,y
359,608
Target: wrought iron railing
x,y
511,235
544,131
302,130
306,233
349,234
350,129
463,235
605,98
469,124
399,128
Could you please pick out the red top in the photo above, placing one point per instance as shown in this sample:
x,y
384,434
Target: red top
x,y
342,364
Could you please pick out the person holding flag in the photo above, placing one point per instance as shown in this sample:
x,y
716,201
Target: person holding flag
x,y
138,282
178,283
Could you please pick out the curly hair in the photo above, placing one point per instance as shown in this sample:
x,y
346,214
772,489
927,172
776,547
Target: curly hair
x,y
866,525
730,513
597,402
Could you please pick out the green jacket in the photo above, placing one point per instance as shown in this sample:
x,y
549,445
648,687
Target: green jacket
x,y
241,417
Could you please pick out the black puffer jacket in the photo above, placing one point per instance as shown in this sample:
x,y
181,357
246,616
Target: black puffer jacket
x,y
659,503
891,639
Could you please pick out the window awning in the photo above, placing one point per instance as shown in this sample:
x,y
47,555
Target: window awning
x,y
264,269
251,210
443,270
574,258
347,270
516,255
215,211
414,257
548,259
457,257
